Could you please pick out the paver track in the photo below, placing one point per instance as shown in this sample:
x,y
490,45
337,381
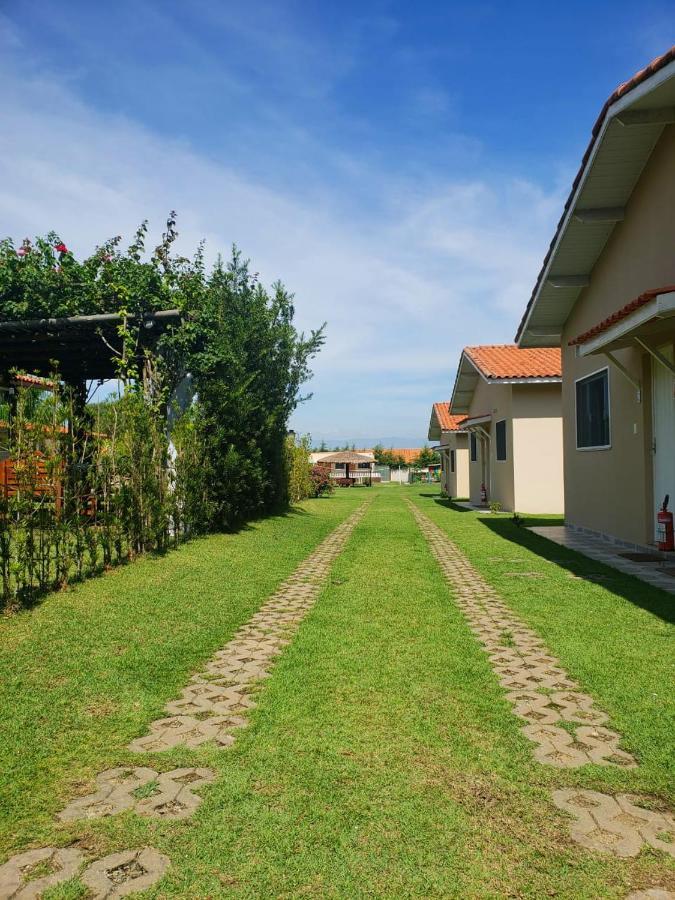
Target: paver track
x,y
545,697
211,707
216,701
539,689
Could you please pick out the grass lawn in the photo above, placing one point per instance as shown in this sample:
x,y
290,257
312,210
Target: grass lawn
x,y
615,636
88,669
382,759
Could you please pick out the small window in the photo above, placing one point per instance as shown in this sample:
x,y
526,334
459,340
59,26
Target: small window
x,y
500,440
593,411
474,447
452,460
339,465
363,465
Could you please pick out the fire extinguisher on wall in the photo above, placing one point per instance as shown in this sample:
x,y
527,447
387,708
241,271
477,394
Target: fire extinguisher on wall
x,y
664,527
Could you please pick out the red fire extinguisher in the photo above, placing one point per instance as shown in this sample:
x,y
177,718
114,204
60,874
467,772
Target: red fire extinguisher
x,y
664,527
483,494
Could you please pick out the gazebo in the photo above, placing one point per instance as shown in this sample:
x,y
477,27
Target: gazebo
x,y
344,461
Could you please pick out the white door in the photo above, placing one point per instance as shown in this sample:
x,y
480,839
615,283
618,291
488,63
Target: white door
x,y
663,391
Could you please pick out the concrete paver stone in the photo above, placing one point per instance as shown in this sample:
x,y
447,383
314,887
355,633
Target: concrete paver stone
x,y
53,864
654,893
128,872
172,798
615,824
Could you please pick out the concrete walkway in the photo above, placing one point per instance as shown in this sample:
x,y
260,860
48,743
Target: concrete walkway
x,y
607,553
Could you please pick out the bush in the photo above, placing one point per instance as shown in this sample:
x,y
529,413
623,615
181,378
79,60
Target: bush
x,y
125,474
299,469
322,482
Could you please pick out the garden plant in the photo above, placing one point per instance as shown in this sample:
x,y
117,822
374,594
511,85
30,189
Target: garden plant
x,y
91,484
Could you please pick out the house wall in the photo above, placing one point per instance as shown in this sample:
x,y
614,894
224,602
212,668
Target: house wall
x,y
610,491
494,400
456,484
537,448
444,453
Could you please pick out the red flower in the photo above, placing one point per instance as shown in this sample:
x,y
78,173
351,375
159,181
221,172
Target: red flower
x,y
61,248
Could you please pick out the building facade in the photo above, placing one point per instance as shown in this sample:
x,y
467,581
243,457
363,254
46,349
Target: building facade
x,y
513,406
606,294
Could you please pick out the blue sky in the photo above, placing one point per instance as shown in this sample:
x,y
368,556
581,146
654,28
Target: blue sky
x,y
400,166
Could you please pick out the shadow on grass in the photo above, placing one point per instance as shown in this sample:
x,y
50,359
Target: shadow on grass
x,y
637,592
30,597
446,503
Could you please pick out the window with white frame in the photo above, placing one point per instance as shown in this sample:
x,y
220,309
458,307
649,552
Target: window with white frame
x,y
473,441
592,398
500,440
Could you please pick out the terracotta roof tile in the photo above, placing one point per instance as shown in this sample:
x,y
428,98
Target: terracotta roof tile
x,y
509,361
621,314
34,381
659,63
408,454
446,420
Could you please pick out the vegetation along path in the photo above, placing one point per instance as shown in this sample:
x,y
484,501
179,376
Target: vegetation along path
x,y
457,708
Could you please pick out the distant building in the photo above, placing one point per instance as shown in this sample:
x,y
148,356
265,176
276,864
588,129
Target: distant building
x,y
348,465
453,439
512,400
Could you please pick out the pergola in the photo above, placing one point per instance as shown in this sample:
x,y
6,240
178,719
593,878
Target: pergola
x,y
80,348
349,458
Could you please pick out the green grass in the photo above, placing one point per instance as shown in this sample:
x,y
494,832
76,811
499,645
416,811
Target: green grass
x,y
382,759
85,671
614,636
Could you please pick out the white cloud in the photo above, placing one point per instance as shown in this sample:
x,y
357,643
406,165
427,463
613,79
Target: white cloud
x,y
403,286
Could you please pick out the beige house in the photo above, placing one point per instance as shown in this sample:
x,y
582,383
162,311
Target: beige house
x,y
512,402
453,449
606,295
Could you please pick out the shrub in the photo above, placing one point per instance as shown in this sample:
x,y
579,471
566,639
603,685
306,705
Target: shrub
x,y
144,477
322,482
299,469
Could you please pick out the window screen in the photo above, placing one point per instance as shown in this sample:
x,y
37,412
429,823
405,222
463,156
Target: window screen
x,y
474,447
500,440
593,410
452,460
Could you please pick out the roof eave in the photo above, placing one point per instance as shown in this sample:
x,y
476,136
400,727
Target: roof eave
x,y
544,379
607,117
458,401
434,432
618,336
